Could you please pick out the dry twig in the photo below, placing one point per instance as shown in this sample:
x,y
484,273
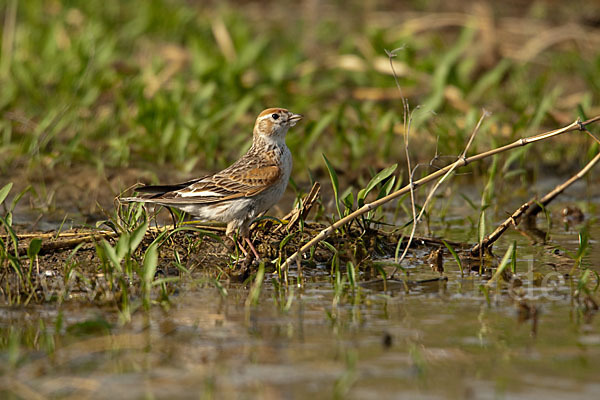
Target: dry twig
x,y
531,208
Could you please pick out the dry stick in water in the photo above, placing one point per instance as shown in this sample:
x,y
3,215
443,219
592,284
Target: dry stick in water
x,y
531,208
577,125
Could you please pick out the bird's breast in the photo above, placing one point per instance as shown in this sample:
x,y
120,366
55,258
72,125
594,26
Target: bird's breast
x,y
286,163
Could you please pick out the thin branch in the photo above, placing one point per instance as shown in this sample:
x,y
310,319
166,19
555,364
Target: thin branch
x,y
533,210
412,204
586,130
577,125
406,119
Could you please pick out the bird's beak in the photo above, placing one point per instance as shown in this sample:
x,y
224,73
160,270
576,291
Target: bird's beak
x,y
294,118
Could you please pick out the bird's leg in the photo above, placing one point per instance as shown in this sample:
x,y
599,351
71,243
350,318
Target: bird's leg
x,y
241,246
252,248
233,234
238,244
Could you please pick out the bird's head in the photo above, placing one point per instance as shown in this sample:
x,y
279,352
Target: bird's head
x,y
273,123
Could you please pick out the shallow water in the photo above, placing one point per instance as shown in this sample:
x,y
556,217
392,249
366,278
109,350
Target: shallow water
x,y
445,342
437,340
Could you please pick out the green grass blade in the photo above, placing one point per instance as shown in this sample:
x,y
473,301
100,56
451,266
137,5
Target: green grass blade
x,y
376,180
137,236
583,248
18,197
150,264
34,248
12,234
4,191
351,272
503,264
254,294
112,255
514,258
455,255
334,184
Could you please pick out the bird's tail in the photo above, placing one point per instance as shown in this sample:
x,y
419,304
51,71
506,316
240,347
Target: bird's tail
x,y
159,189
150,192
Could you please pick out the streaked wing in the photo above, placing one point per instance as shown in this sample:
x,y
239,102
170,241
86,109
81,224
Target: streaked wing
x,y
230,183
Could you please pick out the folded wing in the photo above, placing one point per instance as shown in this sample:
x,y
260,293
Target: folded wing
x,y
229,184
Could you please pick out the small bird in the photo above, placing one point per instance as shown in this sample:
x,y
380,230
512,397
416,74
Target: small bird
x,y
242,191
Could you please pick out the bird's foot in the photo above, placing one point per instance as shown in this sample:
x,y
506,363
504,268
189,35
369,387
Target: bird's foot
x,y
248,262
243,268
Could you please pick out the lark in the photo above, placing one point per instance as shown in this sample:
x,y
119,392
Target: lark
x,y
241,192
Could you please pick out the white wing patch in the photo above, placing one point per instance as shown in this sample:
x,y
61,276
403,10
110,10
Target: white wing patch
x,y
204,193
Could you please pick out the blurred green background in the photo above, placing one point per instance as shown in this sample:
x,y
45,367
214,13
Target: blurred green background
x,y
96,95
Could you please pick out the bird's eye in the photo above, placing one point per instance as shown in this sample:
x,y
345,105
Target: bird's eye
x,y
275,116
